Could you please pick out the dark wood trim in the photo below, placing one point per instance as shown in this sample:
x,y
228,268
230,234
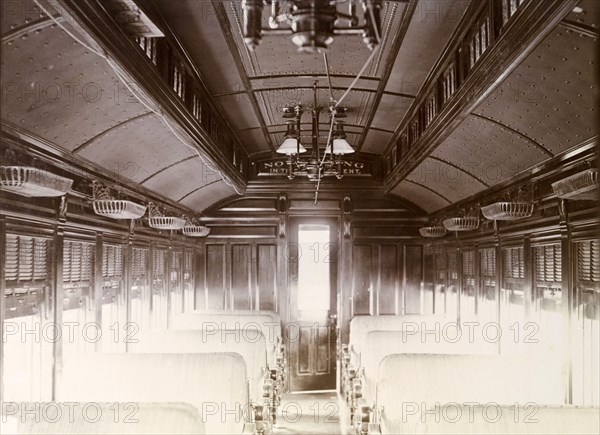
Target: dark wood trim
x,y
98,285
225,25
87,143
58,295
92,18
518,39
407,15
311,76
588,31
460,169
518,133
2,300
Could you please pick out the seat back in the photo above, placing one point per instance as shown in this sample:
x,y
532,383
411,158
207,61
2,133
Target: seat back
x,y
92,418
360,326
495,419
211,322
379,344
250,344
431,379
214,383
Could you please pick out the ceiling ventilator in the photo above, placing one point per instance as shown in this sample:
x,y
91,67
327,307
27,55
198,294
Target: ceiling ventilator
x,y
33,182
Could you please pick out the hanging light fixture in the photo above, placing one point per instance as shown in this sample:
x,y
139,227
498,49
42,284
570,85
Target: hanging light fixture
x,y
313,24
314,166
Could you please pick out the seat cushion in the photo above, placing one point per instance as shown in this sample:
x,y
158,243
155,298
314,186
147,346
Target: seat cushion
x,y
92,418
215,383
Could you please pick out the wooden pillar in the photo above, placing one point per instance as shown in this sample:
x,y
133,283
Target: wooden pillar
x,y
57,302
568,299
98,286
2,301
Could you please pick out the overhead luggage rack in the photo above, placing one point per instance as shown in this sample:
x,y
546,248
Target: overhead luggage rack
x,y
30,181
106,205
583,185
166,222
161,222
435,231
505,211
468,223
196,230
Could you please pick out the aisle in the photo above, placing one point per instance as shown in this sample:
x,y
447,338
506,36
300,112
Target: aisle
x,y
311,414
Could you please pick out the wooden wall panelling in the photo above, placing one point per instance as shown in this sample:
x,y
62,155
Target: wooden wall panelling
x,y
362,257
266,277
241,271
201,294
413,267
388,278
215,276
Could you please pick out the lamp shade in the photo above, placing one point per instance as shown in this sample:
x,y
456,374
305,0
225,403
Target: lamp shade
x,y
340,146
290,146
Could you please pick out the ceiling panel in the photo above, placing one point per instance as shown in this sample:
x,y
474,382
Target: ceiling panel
x,y
376,141
181,178
197,26
59,91
142,147
278,55
420,196
489,151
390,112
431,26
550,97
240,111
19,14
207,196
446,180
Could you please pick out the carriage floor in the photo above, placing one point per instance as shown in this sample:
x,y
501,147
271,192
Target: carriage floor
x,y
320,413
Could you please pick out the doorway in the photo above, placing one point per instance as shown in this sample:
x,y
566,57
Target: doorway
x,y
313,301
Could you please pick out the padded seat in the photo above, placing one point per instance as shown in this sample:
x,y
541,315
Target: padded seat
x,y
265,323
214,383
428,380
93,418
360,326
507,420
379,344
250,344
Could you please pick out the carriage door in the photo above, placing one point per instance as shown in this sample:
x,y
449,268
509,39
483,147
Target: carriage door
x,y
313,290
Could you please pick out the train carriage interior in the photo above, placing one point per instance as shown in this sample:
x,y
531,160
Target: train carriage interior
x,y
277,217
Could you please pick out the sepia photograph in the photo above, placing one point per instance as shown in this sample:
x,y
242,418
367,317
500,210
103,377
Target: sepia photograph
x,y
300,217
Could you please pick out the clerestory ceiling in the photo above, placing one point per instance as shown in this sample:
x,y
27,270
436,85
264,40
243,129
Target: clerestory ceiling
x,y
57,91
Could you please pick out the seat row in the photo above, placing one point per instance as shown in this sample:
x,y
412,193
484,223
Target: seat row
x,y
409,374
209,374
